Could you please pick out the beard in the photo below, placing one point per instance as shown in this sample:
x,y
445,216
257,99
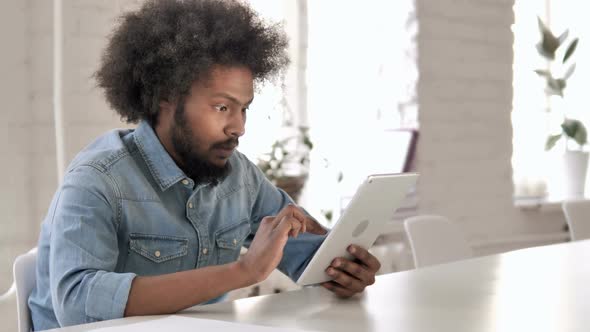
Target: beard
x,y
195,165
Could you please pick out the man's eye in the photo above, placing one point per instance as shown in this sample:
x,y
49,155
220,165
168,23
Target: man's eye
x,y
221,108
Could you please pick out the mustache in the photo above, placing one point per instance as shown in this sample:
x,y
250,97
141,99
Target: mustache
x,y
231,143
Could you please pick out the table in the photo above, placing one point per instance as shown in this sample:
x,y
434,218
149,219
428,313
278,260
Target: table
x,y
536,289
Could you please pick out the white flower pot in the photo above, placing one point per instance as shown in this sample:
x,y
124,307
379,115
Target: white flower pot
x,y
575,165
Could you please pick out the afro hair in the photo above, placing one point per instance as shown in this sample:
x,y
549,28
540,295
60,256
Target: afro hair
x,y
157,52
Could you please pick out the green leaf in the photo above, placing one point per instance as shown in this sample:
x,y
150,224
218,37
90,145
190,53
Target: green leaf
x,y
563,37
581,136
307,142
264,166
551,140
555,86
544,73
328,214
542,49
569,127
570,50
549,43
569,71
575,130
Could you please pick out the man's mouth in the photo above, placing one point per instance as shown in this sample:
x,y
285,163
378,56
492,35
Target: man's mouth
x,y
228,145
225,150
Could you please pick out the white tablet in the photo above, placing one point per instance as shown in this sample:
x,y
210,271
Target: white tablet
x,y
365,217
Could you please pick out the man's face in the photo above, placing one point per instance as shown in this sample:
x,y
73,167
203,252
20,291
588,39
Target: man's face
x,y
203,131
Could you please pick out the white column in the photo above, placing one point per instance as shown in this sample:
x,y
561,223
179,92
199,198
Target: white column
x,y
57,87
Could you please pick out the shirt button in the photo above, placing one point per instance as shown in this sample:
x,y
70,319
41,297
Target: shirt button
x,y
185,182
235,242
190,205
157,253
205,251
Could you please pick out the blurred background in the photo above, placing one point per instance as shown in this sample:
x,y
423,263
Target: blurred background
x,y
446,88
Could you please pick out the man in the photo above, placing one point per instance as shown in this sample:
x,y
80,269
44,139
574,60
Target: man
x,y
151,220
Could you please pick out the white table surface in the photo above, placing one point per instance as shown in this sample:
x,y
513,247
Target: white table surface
x,y
536,289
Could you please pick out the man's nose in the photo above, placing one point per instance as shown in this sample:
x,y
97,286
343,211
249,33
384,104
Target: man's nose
x,y
237,126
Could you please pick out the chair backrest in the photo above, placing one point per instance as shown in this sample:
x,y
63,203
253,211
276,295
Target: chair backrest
x,y
435,240
9,293
577,215
25,279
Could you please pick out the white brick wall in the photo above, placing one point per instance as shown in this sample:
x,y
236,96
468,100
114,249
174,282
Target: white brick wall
x,y
44,174
465,100
86,25
27,141
16,138
15,144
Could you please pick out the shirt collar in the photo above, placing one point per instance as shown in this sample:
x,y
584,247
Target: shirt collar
x,y
161,165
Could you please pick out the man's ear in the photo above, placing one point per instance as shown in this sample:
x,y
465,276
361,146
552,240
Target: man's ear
x,y
166,113
167,106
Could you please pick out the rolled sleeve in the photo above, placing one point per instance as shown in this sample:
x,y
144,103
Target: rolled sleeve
x,y
298,252
107,295
84,251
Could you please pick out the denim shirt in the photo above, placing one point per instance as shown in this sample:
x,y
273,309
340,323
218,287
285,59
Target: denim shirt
x,y
125,209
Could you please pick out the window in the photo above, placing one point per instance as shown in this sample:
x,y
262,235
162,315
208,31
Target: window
x,y
271,101
538,174
352,81
361,79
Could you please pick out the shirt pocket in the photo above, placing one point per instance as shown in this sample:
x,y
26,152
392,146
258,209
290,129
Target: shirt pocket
x,y
151,254
230,240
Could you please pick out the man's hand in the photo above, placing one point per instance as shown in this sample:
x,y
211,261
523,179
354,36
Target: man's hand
x,y
351,277
266,250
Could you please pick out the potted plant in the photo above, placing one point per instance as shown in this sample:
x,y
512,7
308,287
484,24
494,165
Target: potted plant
x,y
286,165
572,130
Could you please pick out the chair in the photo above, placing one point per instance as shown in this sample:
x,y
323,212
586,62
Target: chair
x,y
9,293
24,279
577,215
435,240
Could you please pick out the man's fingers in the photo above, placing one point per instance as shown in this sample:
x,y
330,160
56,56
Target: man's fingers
x,y
337,289
365,257
269,223
308,223
288,226
313,226
300,222
345,280
355,270
287,211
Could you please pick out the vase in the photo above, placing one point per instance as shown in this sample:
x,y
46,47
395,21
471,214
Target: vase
x,y
575,165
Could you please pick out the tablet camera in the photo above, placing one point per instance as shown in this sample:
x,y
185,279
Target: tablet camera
x,y
360,228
